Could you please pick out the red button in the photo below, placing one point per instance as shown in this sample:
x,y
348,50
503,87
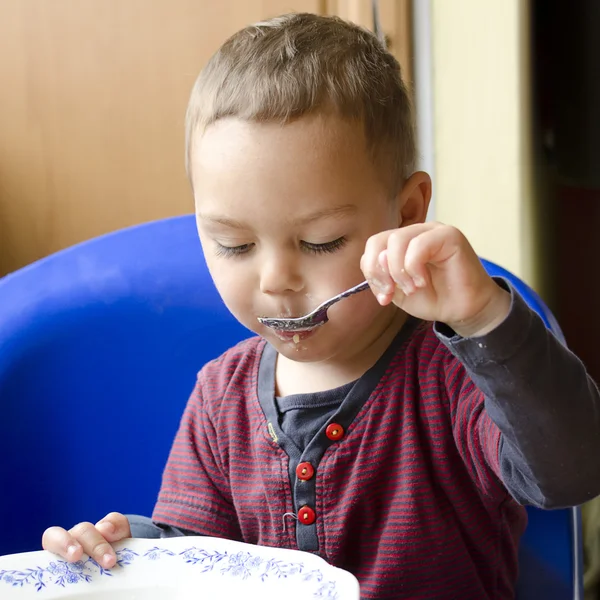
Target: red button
x,y
334,432
306,515
304,471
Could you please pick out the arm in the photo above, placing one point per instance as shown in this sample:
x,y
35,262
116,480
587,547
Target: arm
x,y
535,413
146,528
543,402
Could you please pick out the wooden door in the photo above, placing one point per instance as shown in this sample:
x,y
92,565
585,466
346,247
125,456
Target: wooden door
x,y
92,102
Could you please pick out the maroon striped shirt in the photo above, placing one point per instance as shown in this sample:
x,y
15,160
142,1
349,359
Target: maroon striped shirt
x,y
409,499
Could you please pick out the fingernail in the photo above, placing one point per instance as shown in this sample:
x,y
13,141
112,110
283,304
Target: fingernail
x,y
72,549
107,559
419,282
381,298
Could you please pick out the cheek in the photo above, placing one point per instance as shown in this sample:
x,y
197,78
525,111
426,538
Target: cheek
x,y
234,285
339,271
224,271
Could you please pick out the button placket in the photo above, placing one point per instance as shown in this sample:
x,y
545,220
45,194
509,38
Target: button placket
x,y
305,471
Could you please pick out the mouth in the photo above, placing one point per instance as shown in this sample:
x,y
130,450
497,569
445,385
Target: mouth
x,y
297,324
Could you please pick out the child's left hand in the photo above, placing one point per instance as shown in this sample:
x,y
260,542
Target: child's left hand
x,y
431,271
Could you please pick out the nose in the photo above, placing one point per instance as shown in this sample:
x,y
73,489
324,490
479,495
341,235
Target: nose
x,y
280,274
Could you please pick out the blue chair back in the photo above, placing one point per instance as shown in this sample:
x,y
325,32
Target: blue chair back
x,y
551,552
99,348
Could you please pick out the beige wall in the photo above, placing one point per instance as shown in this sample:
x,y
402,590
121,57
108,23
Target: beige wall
x,y
482,128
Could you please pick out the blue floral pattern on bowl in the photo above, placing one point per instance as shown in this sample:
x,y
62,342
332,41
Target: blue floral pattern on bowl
x,y
242,564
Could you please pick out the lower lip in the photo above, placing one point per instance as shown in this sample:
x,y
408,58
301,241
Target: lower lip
x,y
288,336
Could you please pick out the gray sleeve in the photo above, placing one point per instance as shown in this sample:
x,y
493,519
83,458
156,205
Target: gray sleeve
x,y
146,528
544,403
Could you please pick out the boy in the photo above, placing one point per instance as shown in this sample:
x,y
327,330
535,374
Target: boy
x,y
414,424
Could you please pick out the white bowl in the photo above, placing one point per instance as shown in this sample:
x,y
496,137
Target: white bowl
x,y
178,569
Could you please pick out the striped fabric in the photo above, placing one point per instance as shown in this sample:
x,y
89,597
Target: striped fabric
x,y
410,499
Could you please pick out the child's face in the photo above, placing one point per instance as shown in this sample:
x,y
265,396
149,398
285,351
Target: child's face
x,y
284,212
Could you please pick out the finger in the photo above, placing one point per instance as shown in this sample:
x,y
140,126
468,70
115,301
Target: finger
x,y
379,278
114,527
61,542
385,296
94,544
434,246
397,246
392,261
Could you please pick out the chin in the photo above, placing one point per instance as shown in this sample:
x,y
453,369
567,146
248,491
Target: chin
x,y
313,347
302,353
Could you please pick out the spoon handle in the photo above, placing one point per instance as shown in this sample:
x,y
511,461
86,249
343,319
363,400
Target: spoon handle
x,y
354,290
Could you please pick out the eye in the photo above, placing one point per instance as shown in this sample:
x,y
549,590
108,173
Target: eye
x,y
328,247
233,250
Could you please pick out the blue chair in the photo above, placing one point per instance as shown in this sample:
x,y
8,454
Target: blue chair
x,y
99,348
551,552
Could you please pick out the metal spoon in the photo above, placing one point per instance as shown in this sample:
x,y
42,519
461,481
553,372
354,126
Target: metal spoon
x,y
314,318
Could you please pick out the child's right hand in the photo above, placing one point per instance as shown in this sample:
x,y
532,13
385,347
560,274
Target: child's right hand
x,y
85,538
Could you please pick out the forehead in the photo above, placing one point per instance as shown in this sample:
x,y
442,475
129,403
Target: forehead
x,y
314,159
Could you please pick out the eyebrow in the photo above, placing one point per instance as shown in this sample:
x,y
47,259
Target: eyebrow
x,y
336,211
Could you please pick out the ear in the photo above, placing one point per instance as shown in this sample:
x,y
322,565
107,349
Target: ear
x,y
413,199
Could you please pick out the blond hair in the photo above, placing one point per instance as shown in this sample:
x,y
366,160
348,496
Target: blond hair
x,y
297,64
